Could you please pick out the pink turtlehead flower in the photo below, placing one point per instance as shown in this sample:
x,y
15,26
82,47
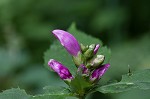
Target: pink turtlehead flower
x,y
68,41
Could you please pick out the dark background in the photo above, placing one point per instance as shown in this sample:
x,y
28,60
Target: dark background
x,y
25,27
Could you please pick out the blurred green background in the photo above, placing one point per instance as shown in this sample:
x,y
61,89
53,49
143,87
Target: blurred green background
x,y
26,25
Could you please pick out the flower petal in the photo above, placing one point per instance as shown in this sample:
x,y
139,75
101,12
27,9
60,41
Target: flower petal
x,y
68,41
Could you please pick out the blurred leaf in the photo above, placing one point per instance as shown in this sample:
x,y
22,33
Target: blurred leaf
x,y
53,93
82,37
139,79
35,30
14,93
134,53
10,61
35,77
132,94
105,19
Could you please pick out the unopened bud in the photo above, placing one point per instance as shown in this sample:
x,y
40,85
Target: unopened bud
x,y
83,70
83,48
98,73
61,70
96,48
90,52
97,61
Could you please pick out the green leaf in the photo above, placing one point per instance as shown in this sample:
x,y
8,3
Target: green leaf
x,y
56,90
138,79
14,93
53,92
132,94
49,96
134,53
79,85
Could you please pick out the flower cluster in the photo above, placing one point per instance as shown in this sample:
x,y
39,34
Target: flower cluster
x,y
89,64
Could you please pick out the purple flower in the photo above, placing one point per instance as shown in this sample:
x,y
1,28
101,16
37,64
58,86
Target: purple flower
x,y
68,41
61,70
96,48
83,70
99,72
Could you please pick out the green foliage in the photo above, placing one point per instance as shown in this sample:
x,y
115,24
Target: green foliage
x,y
56,89
14,94
107,18
134,53
140,79
79,85
11,60
52,92
39,78
49,96
132,94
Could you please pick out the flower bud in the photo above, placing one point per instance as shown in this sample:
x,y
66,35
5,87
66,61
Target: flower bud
x,y
83,48
95,62
61,70
96,48
68,41
89,53
92,46
98,73
83,70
